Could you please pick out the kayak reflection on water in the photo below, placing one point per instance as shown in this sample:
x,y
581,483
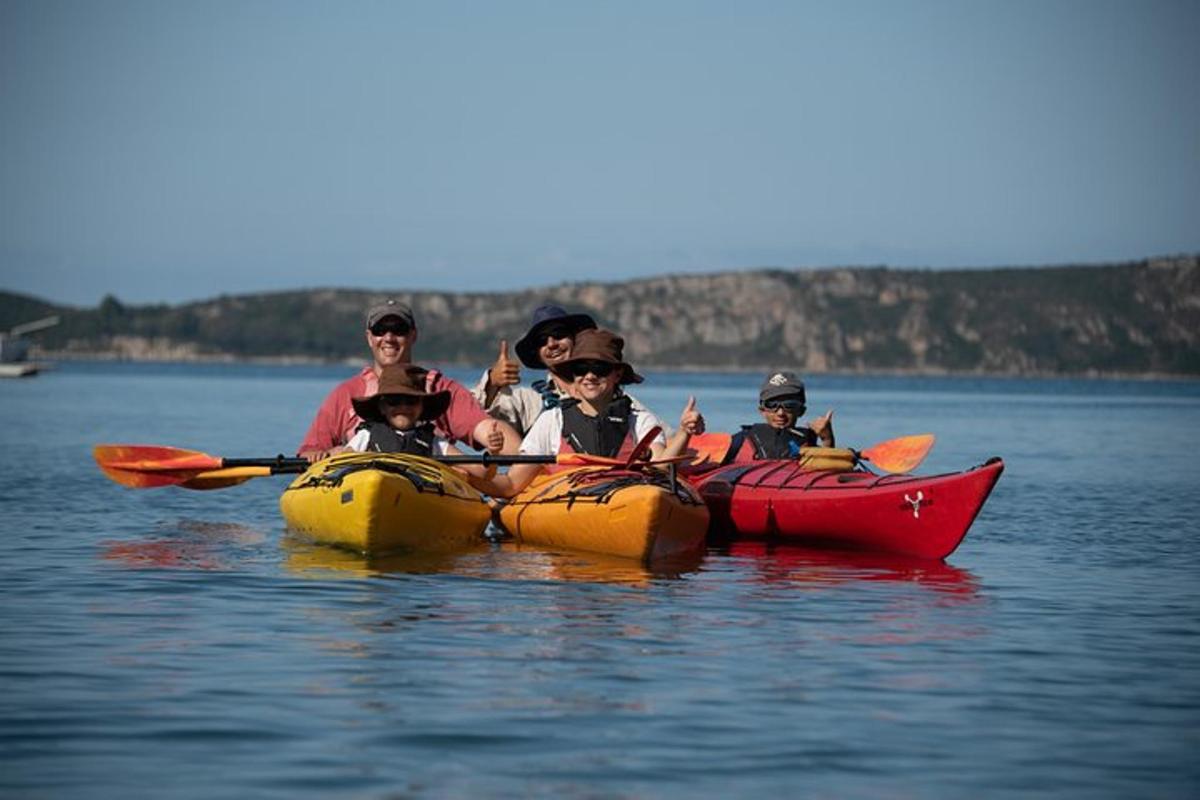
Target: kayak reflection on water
x,y
775,563
507,562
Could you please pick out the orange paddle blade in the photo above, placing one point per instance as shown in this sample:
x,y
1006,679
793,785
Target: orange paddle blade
x,y
146,466
585,460
222,478
709,448
903,454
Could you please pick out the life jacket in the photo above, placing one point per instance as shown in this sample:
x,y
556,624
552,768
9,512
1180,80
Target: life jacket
x,y
386,439
609,434
761,442
551,396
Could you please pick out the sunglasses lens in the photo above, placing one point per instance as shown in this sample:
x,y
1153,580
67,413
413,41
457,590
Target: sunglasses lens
x,y
601,369
555,332
397,327
792,406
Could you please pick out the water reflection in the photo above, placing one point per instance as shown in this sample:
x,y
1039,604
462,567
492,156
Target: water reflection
x,y
500,562
771,562
190,544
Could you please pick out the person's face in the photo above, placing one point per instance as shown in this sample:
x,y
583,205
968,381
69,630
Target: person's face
x,y
391,340
782,412
402,411
557,341
593,380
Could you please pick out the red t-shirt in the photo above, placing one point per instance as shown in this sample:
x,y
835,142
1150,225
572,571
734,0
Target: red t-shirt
x,y
336,421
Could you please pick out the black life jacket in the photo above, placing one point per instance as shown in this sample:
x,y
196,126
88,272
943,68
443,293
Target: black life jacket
x,y
601,435
386,439
771,443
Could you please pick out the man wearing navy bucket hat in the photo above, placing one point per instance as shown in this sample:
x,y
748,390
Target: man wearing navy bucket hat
x,y
548,341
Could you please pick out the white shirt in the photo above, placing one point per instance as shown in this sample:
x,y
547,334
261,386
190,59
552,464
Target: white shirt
x,y
545,437
358,443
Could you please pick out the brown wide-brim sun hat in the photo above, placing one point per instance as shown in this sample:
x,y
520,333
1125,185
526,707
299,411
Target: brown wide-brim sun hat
x,y
599,345
408,380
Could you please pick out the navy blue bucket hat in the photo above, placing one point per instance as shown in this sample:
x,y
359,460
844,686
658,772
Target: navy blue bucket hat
x,y
544,316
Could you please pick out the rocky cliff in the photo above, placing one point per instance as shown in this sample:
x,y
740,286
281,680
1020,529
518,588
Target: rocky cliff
x,y
1136,318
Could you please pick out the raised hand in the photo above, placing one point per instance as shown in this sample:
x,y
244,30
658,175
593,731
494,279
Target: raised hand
x,y
495,438
822,426
691,420
506,371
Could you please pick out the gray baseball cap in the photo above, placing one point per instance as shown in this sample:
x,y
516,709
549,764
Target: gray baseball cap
x,y
390,308
781,384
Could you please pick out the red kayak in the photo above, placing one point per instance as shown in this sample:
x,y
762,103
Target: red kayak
x,y
923,516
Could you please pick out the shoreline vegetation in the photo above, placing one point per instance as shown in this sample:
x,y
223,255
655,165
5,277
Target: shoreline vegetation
x,y
1123,321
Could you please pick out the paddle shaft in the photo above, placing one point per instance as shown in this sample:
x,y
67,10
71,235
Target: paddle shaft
x,y
282,464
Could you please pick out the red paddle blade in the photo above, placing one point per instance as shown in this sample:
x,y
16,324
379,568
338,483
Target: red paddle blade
x,y
146,466
643,446
903,454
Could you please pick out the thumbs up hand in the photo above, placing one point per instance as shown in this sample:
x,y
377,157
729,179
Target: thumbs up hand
x,y
506,371
822,426
495,439
691,420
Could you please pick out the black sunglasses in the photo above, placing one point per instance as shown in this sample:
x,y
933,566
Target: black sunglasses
x,y
601,369
400,399
792,406
555,331
396,326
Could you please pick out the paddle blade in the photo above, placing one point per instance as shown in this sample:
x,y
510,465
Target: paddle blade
x,y
643,447
709,449
903,454
141,466
223,478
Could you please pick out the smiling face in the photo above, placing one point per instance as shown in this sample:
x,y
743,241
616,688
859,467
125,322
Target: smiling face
x,y
391,340
782,412
557,342
594,381
402,411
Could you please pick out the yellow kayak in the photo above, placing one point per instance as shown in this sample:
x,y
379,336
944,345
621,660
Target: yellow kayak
x,y
631,513
384,502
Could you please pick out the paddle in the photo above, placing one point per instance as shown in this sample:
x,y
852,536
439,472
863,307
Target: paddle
x,y
903,454
149,466
643,446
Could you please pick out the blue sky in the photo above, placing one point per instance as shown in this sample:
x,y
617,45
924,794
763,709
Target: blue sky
x,y
168,151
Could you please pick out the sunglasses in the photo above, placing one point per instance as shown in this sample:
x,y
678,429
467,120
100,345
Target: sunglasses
x,y
791,406
399,399
555,332
397,326
601,369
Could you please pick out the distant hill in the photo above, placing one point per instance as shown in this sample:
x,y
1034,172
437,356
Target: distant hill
x,y
1138,318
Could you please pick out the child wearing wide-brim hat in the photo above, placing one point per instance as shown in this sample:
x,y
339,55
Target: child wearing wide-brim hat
x,y
548,339
599,418
398,418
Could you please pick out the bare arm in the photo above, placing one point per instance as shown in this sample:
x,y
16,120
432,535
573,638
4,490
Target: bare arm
x,y
508,484
691,421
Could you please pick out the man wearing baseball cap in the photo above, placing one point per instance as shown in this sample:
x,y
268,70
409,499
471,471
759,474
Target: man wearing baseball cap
x,y
391,332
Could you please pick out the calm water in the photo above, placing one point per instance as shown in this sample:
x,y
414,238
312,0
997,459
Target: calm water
x,y
175,644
